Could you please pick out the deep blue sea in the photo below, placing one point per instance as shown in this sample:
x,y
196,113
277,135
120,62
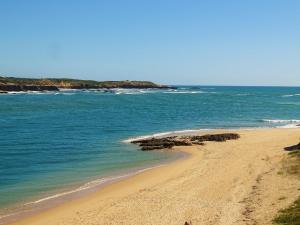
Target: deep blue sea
x,y
57,141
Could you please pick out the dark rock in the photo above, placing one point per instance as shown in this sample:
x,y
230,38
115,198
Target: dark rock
x,y
216,137
197,143
182,143
153,139
149,148
161,143
169,142
292,148
16,88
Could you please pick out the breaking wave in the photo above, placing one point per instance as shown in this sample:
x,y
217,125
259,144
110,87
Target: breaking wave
x,y
291,95
292,123
164,134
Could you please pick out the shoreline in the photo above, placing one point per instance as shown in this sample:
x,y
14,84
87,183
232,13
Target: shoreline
x,y
38,205
170,170
65,199
292,124
35,205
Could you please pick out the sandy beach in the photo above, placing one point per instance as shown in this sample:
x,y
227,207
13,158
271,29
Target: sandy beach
x,y
233,182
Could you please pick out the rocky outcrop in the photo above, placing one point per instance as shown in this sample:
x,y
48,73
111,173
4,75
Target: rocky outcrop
x,y
216,137
53,84
160,143
170,142
16,88
292,148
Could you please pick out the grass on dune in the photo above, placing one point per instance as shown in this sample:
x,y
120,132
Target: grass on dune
x,y
293,163
291,215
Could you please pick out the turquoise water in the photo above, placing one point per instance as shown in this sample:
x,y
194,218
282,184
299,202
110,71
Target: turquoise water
x,y
55,141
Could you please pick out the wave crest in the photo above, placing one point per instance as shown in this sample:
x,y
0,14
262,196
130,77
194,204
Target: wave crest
x,y
291,95
291,123
164,134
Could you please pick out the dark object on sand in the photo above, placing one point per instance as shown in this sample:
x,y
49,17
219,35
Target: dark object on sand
x,y
186,223
292,148
169,142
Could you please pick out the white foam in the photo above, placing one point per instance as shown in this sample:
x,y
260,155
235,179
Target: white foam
x,y
291,95
16,92
185,92
281,121
292,123
68,89
119,91
31,92
289,126
245,94
7,215
163,134
130,93
68,93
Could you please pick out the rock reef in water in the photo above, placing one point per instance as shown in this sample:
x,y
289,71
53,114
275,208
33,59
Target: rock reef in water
x,y
54,84
170,142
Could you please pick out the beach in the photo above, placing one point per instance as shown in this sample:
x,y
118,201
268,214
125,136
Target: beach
x,y
232,182
149,113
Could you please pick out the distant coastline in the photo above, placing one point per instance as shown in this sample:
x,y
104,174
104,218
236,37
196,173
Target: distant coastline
x,y
9,84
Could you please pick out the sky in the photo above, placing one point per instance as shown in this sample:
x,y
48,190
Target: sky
x,y
232,42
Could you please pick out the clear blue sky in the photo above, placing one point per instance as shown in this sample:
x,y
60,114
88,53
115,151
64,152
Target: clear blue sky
x,y
242,42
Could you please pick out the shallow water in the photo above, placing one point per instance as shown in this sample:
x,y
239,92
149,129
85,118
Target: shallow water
x,y
54,141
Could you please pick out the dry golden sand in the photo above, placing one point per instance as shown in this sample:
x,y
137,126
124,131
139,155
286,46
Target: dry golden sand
x,y
234,182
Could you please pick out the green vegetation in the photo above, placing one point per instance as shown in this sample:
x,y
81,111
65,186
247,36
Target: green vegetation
x,y
291,215
77,84
292,165
295,153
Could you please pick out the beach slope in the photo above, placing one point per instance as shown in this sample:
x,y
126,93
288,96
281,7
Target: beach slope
x,y
232,182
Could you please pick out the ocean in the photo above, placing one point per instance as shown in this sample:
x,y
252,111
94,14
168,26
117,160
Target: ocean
x,y
54,143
